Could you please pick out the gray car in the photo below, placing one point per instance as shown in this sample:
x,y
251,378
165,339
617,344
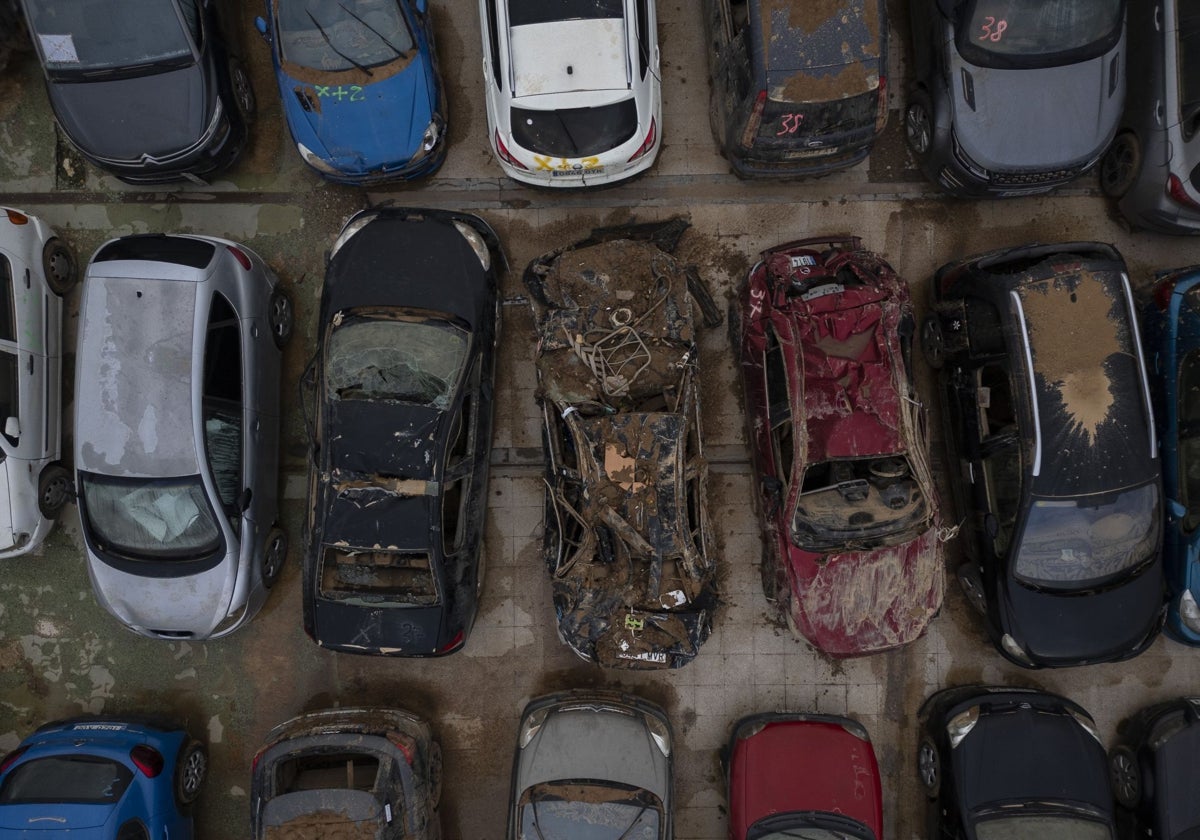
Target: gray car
x,y
592,764
1013,97
177,432
1152,167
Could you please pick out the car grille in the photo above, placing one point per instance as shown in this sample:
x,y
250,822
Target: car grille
x,y
1029,179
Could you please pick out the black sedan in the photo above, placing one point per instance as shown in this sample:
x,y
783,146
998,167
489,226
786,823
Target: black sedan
x,y
398,404
1005,763
1153,772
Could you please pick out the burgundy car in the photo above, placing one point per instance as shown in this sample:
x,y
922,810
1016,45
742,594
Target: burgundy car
x,y
803,776
852,553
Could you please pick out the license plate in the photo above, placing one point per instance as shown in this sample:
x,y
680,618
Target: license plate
x,y
656,657
576,173
809,153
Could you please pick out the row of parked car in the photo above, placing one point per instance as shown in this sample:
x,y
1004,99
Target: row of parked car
x,y
993,762
1008,97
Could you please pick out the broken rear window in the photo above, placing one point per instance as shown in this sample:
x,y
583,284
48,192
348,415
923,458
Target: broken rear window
x,y
343,35
857,499
375,575
410,361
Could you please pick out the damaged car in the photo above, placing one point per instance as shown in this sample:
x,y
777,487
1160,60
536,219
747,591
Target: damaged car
x,y
398,407
628,539
369,773
1053,455
852,552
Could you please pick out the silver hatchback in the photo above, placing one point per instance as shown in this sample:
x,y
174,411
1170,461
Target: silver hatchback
x,y
177,432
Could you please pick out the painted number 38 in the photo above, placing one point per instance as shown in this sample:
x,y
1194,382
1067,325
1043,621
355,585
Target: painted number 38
x,y
789,124
993,30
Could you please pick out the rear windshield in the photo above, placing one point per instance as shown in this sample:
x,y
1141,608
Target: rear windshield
x,y
341,36
79,779
575,132
782,121
85,36
374,575
1036,32
150,519
523,12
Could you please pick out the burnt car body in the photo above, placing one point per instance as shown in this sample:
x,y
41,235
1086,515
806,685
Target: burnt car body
x,y
1016,97
999,762
362,773
627,534
398,402
797,88
843,488
1053,456
1153,771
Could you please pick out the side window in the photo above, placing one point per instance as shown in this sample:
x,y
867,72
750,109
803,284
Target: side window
x,y
1002,474
222,400
645,37
9,389
8,318
453,515
1188,415
779,406
494,43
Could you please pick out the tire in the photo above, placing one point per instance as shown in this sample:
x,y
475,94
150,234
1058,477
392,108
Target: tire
x,y
281,317
1125,777
54,490
58,264
1121,164
918,124
243,91
274,556
933,342
929,767
972,588
435,774
190,770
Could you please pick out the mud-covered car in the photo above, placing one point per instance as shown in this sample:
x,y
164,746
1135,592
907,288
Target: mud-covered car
x,y
627,534
852,552
353,773
1053,456
398,406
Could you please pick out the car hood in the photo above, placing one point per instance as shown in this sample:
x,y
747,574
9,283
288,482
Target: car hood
x,y
1049,118
122,119
394,439
361,128
370,628
192,603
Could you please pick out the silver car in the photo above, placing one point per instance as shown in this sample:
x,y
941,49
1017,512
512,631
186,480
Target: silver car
x,y
594,764
177,432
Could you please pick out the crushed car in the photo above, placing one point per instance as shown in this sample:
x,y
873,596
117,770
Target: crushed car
x,y
852,549
628,539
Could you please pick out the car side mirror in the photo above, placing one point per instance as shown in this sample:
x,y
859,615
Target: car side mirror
x,y
243,500
1177,510
260,23
12,427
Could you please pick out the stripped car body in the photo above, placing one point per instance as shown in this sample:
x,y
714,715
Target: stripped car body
x,y
398,403
627,533
361,774
852,552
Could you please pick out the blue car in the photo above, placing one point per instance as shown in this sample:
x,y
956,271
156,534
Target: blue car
x,y
360,86
101,779
1172,341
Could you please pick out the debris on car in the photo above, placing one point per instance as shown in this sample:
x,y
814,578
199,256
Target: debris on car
x,y
627,534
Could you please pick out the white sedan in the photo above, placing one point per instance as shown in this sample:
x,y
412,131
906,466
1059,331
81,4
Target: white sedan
x,y
572,88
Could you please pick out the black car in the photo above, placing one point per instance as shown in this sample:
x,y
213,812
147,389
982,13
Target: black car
x,y
398,404
794,96
1053,455
145,89
998,763
1013,97
1153,772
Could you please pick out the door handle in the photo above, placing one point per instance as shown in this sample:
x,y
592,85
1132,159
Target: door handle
x,y
29,362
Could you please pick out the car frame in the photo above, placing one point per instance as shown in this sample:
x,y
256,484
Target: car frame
x,y
392,477
176,452
1156,747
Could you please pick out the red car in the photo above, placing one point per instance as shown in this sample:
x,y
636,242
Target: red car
x,y
803,776
843,488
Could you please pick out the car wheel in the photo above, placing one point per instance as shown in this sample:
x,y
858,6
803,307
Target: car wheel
x,y
972,587
933,343
54,490
190,770
929,767
59,267
435,773
1124,776
274,556
281,316
243,91
1120,165
918,124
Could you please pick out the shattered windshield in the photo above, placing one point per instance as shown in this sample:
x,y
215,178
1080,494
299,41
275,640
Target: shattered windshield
x,y
850,500
150,519
589,811
333,35
75,36
410,361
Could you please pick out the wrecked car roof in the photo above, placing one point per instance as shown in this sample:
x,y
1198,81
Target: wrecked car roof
x,y
379,510
371,437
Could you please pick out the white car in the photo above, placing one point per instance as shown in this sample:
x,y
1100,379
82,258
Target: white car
x,y
36,269
572,89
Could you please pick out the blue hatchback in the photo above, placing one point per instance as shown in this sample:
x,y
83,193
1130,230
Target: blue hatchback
x,y
100,779
1172,341
360,86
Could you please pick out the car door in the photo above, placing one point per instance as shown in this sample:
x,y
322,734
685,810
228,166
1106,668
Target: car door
x,y
23,325
1181,539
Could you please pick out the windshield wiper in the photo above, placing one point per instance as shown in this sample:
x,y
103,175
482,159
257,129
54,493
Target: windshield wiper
x,y
379,34
537,827
625,833
325,35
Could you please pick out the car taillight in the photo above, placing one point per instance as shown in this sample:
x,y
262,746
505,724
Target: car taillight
x,y
240,256
146,759
17,218
504,154
1179,195
11,758
882,109
403,744
647,144
755,119
257,758
452,644
1162,292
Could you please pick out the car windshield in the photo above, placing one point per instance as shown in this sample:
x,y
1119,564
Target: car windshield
x,y
575,132
523,12
334,35
150,518
589,811
92,35
856,499
1037,826
1017,30
1080,543
418,361
78,779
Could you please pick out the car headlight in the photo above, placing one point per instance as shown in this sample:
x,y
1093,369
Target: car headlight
x,y
1013,648
476,242
659,734
1189,611
352,227
961,724
315,161
531,726
433,133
